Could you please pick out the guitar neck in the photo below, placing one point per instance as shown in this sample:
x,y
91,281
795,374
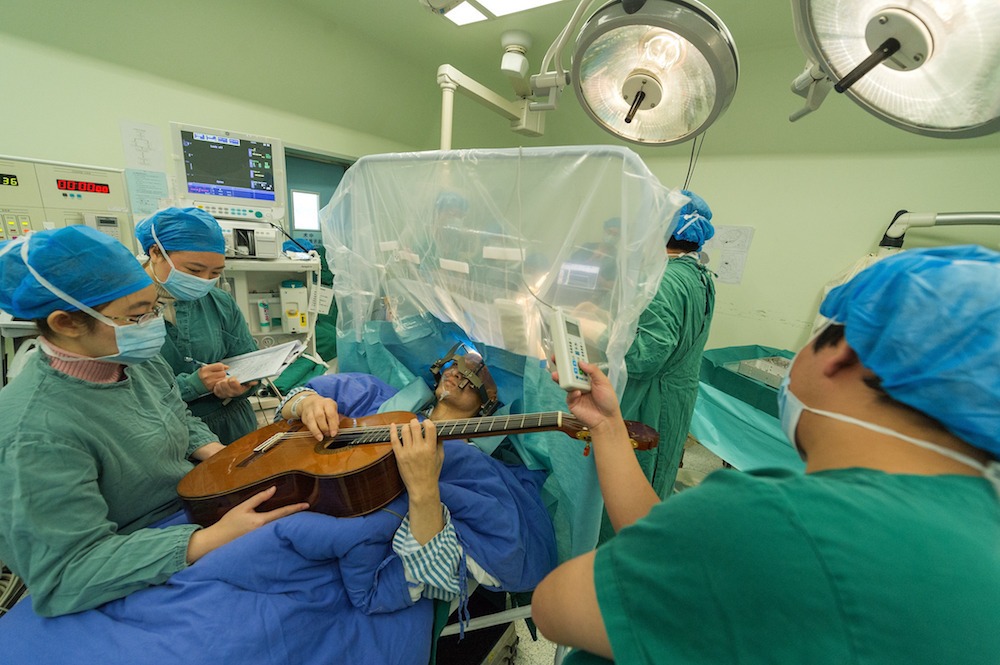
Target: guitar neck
x,y
468,428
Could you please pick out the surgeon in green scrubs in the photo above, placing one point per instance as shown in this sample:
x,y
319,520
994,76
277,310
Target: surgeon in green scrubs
x,y
885,551
94,436
664,361
204,325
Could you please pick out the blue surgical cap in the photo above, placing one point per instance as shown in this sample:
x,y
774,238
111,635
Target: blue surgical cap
x,y
693,223
181,230
927,322
86,264
451,201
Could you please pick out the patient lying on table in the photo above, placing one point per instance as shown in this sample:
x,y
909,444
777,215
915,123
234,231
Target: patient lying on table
x,y
426,541
312,588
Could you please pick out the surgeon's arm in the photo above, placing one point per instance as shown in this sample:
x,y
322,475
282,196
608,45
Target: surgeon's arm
x,y
656,338
628,496
564,607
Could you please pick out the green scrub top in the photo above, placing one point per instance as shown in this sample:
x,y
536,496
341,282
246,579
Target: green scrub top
x,y
664,363
209,329
774,567
84,468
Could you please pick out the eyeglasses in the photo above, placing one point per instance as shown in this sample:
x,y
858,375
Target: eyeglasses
x,y
155,313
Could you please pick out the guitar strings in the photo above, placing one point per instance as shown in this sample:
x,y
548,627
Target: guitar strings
x,y
380,434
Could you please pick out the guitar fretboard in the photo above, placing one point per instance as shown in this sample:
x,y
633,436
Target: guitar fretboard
x,y
466,428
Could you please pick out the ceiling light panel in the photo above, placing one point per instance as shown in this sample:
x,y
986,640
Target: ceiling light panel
x,y
504,7
465,14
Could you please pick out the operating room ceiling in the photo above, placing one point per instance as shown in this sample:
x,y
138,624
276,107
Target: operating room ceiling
x,y
370,65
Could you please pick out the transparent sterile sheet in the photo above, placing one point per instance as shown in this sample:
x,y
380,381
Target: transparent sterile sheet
x,y
479,246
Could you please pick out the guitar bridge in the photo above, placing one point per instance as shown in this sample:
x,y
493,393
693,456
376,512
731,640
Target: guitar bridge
x,y
262,448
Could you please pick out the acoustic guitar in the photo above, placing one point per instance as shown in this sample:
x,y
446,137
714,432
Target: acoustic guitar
x,y
350,474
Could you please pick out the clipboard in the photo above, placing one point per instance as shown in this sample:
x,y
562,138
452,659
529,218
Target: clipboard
x,y
263,363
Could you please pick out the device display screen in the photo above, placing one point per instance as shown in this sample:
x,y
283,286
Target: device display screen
x,y
219,165
8,179
83,186
572,329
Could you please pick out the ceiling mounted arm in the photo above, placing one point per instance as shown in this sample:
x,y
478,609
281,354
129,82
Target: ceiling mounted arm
x,y
814,85
522,119
651,72
904,220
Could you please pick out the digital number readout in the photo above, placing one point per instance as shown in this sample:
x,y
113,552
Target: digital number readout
x,y
82,186
8,179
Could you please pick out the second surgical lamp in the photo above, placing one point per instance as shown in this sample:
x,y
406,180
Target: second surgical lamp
x,y
650,72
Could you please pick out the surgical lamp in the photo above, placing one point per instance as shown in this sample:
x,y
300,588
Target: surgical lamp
x,y
650,72
931,67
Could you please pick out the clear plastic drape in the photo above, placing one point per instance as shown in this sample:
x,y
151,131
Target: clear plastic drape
x,y
479,246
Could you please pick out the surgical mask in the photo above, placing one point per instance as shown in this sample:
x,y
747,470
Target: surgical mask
x,y
790,410
182,285
137,342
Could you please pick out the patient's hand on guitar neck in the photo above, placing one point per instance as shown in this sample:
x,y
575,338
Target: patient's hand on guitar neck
x,y
240,520
419,457
319,414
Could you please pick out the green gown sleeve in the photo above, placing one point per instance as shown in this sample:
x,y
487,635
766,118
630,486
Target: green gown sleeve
x,y
85,469
77,558
658,332
218,330
191,386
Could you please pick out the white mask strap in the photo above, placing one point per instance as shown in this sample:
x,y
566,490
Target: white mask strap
x,y
59,292
920,443
693,217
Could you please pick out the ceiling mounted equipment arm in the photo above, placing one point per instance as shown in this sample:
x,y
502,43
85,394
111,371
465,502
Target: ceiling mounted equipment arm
x,y
650,72
904,220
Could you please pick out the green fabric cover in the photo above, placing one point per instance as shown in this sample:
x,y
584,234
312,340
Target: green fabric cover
x,y
750,391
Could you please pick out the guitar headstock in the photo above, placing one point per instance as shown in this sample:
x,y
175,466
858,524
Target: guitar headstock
x,y
642,436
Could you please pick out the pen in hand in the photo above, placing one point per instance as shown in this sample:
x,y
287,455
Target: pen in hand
x,y
198,362
204,364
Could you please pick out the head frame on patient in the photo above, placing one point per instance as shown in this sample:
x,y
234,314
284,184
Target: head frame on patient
x,y
473,371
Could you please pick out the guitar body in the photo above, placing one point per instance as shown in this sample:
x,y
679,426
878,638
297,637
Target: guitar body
x,y
353,473
344,481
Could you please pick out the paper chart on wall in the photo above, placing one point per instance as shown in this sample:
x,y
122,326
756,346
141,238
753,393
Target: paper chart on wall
x,y
728,251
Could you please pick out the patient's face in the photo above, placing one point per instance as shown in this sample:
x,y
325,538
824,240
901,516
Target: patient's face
x,y
464,399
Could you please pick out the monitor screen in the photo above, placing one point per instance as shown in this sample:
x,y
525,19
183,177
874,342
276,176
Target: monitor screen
x,y
578,275
229,169
228,166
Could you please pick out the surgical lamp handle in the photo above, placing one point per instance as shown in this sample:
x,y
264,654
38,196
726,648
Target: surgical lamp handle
x,y
878,56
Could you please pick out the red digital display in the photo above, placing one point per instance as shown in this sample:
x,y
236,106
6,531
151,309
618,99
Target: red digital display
x,y
83,186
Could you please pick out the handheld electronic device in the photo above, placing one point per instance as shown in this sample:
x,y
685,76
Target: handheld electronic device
x,y
569,349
